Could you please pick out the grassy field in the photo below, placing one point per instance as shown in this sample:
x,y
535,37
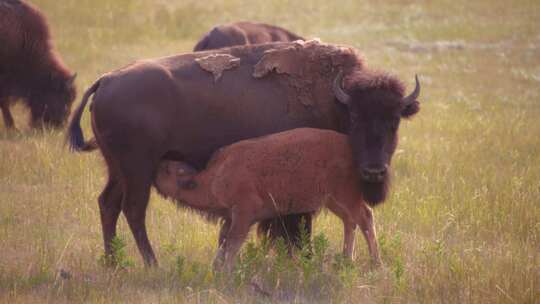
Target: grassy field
x,y
462,224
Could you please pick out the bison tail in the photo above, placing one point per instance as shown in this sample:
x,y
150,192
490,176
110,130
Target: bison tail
x,y
75,136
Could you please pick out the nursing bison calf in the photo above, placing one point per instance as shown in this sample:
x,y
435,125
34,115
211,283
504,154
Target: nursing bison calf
x,y
292,172
30,70
243,33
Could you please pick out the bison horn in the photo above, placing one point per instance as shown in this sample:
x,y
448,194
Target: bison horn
x,y
338,91
412,97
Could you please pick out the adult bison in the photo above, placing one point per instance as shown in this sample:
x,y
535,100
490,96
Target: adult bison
x,y
185,107
243,33
29,67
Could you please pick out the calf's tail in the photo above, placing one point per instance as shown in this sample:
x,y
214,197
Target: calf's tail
x,y
75,136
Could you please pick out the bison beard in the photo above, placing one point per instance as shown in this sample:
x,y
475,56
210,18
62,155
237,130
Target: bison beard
x,y
375,193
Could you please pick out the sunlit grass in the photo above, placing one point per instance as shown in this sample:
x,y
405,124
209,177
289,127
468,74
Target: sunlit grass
x,y
462,224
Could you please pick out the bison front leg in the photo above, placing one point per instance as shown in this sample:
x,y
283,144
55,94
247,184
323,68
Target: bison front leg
x,y
37,111
6,113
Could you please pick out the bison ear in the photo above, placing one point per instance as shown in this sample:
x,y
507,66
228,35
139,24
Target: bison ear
x,y
410,109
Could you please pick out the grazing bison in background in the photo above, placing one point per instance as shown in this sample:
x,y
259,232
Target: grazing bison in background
x,y
187,106
243,33
29,67
300,170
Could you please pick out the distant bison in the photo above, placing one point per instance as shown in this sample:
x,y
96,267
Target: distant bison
x,y
187,106
29,67
243,33
296,171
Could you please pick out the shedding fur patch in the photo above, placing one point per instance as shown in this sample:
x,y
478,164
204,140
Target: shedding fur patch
x,y
281,61
292,60
217,63
307,68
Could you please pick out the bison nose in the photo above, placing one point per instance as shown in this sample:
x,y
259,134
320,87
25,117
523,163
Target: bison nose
x,y
374,174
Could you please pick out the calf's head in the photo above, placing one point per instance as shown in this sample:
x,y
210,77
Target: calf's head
x,y
173,176
376,104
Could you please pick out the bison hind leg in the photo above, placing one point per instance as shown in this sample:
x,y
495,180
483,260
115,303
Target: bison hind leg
x,y
110,202
295,229
137,185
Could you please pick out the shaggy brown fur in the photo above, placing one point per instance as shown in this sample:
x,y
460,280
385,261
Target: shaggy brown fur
x,y
172,108
30,69
243,33
292,172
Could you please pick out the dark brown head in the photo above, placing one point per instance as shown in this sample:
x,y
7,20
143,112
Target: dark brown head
x,y
376,105
53,103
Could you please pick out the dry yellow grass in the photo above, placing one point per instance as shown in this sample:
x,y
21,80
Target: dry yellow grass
x,y
462,224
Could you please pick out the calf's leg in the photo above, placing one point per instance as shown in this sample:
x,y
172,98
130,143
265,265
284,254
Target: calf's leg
x,y
348,239
240,224
220,255
364,219
349,226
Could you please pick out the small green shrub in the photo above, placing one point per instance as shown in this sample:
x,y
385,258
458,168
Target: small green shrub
x,y
118,258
